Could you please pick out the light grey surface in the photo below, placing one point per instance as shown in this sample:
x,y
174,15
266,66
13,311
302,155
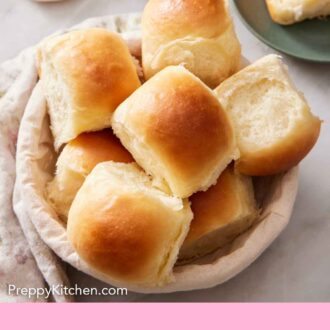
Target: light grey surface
x,y
25,22
297,266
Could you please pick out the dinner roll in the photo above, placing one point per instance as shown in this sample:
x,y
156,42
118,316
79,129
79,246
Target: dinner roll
x,y
85,75
123,227
77,160
291,11
176,130
198,34
274,126
220,214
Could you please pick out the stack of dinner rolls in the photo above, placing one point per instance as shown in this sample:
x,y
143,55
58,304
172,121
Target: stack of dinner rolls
x,y
151,173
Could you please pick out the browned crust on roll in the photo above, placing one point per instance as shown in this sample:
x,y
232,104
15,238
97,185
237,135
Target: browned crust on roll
x,y
221,213
285,154
95,64
96,147
264,151
173,18
189,126
176,130
121,240
123,227
219,202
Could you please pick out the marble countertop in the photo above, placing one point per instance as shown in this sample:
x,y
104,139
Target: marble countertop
x,y
297,265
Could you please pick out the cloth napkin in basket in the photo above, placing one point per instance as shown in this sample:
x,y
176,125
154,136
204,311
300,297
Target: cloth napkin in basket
x,y
25,260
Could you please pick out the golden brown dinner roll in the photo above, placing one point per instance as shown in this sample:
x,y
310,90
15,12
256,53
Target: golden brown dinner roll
x,y
175,128
220,214
123,227
198,34
291,11
274,126
85,75
77,160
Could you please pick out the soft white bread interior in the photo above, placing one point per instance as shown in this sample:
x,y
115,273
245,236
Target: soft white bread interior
x,y
291,11
177,131
85,75
220,214
198,34
123,227
274,126
77,160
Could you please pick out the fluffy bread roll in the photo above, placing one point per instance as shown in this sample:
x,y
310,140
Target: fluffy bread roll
x,y
287,12
77,160
198,34
123,227
220,214
85,75
274,126
177,131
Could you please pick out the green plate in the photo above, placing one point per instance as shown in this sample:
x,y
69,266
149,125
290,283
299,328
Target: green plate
x,y
308,40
